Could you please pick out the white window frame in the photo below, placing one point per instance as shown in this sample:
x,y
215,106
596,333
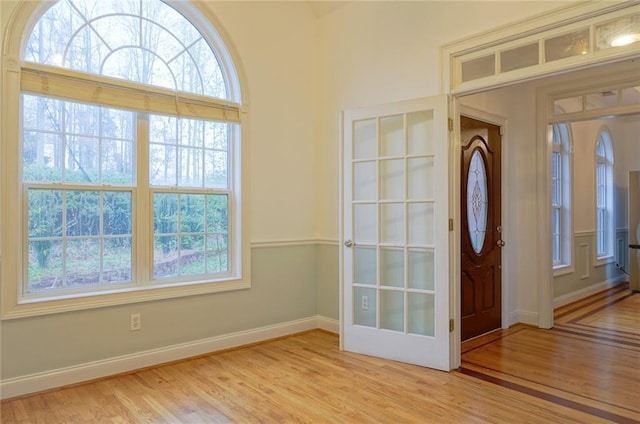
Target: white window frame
x,y
14,303
604,192
563,258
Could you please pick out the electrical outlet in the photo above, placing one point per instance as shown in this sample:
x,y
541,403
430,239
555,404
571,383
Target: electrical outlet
x,y
136,322
364,303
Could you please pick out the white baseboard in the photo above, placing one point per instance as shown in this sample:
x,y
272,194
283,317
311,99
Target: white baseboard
x,y
328,324
38,382
574,296
524,317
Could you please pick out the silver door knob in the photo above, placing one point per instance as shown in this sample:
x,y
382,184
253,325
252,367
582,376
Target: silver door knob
x,y
500,243
349,243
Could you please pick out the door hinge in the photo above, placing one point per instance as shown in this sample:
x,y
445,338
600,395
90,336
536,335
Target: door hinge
x,y
450,326
450,123
450,224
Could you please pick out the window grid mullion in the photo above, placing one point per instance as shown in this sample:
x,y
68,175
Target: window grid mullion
x,y
142,205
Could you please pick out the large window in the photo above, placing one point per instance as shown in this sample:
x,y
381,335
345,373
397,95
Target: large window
x,y
561,197
604,196
130,155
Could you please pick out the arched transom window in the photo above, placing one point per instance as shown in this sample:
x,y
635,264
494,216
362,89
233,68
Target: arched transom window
x,y
143,41
130,153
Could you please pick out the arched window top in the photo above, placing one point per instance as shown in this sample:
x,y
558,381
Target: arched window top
x,y
145,41
561,135
604,147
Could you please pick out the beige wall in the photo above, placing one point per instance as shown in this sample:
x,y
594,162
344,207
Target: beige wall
x,y
378,52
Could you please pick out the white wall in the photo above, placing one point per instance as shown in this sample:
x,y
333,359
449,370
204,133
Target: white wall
x,y
378,52
277,45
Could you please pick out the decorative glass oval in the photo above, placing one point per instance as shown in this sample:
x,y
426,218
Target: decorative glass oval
x,y
477,201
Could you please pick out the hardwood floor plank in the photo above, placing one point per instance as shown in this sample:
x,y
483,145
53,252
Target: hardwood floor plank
x,y
587,361
576,373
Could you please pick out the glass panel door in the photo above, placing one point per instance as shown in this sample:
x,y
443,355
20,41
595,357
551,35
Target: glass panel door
x,y
395,255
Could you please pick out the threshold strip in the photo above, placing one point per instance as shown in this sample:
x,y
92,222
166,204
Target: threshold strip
x,y
549,397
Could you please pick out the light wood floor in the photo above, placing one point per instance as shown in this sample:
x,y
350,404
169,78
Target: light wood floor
x,y
589,361
305,378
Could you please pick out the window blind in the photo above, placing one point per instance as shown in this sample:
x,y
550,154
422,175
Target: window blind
x,y
97,89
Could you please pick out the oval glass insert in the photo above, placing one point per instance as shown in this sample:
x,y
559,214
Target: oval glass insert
x,y
477,201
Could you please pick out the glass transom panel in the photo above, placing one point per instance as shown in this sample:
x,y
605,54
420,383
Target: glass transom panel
x,y
477,201
143,41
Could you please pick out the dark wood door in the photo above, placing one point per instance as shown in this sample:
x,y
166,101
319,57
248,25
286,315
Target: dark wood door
x,y
481,276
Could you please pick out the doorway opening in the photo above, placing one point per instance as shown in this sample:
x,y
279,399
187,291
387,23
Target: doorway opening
x,y
527,202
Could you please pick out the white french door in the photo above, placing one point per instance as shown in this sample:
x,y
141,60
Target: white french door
x,y
395,251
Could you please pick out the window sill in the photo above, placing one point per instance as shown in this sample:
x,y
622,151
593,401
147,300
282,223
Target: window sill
x,y
604,260
75,302
563,269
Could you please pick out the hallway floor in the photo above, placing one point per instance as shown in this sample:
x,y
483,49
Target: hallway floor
x,y
587,362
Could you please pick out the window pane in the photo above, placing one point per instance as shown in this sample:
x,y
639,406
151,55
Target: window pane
x,y
477,201
188,152
618,33
563,46
76,142
82,210
191,234
556,176
479,68
519,57
165,213
146,42
68,247
45,213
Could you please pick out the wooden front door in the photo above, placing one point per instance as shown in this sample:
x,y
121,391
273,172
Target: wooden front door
x,y
481,276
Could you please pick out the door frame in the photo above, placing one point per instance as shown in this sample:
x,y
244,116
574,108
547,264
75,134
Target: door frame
x,y
507,254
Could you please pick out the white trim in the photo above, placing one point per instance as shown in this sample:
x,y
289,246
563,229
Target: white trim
x,y
328,324
563,269
60,377
574,296
604,260
535,28
584,233
292,243
523,317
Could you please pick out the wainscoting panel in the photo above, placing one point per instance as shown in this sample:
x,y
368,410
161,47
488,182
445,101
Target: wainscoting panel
x,y
589,277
